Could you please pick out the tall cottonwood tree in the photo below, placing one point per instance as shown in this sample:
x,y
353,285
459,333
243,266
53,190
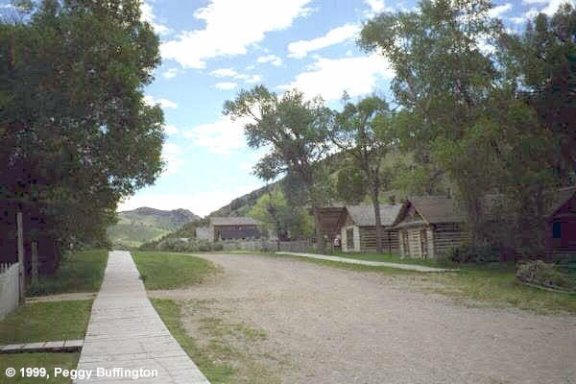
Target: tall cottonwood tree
x,y
76,134
360,131
295,131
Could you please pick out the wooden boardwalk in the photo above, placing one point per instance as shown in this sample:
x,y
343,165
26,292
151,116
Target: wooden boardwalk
x,y
126,341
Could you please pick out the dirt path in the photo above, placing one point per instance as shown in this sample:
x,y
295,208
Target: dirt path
x,y
330,326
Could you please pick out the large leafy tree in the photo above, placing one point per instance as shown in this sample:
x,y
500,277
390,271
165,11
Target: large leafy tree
x,y
360,131
459,102
294,130
76,134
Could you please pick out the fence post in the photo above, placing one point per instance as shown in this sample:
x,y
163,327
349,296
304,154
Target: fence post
x,y
21,278
34,261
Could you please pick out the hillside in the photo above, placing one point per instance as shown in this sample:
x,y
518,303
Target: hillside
x,y
145,224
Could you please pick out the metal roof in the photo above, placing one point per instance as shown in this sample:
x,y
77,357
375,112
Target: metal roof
x,y
243,220
363,215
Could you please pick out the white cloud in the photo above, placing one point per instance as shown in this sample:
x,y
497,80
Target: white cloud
x,y
164,103
231,73
376,7
231,28
329,78
221,137
201,203
272,59
300,49
498,11
554,5
149,16
535,1
170,73
226,85
171,129
172,156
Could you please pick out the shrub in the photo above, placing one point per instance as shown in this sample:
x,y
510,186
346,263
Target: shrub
x,y
547,275
478,254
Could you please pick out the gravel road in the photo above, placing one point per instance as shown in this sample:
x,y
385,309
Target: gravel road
x,y
340,326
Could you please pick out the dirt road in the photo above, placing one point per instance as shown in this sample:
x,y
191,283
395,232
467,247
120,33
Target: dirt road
x,y
332,326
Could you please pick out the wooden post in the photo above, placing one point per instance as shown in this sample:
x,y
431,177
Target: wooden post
x,y
34,261
22,281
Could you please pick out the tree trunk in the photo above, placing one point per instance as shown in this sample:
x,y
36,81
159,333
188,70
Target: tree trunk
x,y
320,243
378,220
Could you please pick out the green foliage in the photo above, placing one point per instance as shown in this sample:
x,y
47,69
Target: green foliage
x,y
350,185
171,244
286,221
474,254
76,134
546,275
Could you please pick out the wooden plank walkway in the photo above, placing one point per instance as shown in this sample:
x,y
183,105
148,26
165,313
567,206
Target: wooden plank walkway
x,y
346,260
44,346
126,339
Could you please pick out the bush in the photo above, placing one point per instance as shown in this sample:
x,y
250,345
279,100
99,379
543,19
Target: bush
x,y
546,275
477,254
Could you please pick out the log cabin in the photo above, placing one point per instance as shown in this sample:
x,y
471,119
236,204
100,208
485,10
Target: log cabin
x,y
429,226
358,228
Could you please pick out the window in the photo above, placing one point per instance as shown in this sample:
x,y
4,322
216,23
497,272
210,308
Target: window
x,y
556,230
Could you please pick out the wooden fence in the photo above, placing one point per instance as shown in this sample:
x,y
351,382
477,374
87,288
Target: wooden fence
x,y
9,288
268,245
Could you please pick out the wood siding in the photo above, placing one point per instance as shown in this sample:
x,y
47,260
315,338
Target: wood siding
x,y
431,241
368,240
449,235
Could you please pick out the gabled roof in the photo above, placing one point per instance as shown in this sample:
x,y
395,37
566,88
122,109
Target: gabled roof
x,y
243,220
436,209
558,198
363,215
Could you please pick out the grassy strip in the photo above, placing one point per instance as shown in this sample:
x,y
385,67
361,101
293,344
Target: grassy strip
x,y
80,272
51,321
215,370
392,258
497,284
162,270
49,361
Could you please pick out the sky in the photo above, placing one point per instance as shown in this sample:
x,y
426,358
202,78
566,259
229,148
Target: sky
x,y
211,49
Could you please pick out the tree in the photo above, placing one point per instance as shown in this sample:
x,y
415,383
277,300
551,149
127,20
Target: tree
x,y
287,222
360,132
295,131
76,135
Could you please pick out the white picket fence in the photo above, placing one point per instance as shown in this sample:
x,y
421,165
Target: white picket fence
x,y
9,288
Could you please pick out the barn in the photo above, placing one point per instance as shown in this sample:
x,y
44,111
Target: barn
x,y
234,228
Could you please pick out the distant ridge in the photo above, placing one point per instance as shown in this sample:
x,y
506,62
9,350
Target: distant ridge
x,y
143,224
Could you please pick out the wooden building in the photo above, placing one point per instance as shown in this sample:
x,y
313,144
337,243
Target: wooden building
x,y
429,226
234,228
358,228
561,221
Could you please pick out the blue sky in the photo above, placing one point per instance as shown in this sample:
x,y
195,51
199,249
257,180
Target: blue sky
x,y
213,48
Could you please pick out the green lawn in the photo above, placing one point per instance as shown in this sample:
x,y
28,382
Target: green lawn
x,y
163,270
79,272
49,361
50,321
214,369
392,258
497,283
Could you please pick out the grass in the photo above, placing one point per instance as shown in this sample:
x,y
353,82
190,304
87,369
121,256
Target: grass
x,y
163,270
49,361
497,284
225,358
215,370
50,321
79,272
392,258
